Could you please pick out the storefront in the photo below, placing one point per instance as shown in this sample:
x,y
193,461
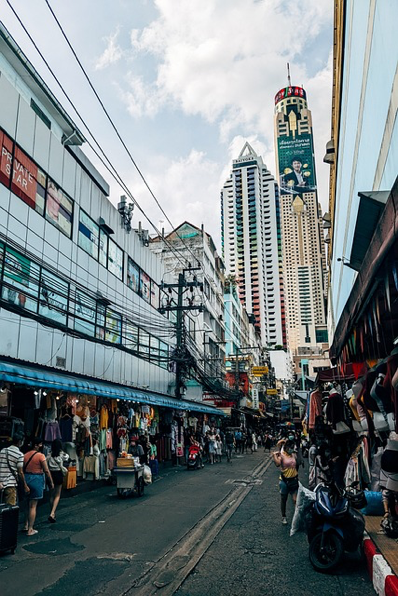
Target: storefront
x,y
95,420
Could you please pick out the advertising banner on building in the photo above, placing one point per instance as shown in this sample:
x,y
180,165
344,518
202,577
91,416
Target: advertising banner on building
x,y
296,164
255,399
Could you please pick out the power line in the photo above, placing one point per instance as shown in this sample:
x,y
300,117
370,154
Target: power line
x,y
111,168
114,125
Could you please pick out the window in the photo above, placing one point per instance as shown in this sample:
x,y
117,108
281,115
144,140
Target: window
x,y
115,259
113,331
103,248
130,336
145,287
20,280
7,149
155,295
59,207
88,238
133,276
321,336
144,342
54,297
85,310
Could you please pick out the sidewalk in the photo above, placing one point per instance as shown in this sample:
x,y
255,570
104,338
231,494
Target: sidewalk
x,y
381,554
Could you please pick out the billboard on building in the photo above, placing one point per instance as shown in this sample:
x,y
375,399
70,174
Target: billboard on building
x,y
296,164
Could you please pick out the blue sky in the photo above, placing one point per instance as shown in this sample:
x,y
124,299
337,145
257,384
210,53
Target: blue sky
x,y
187,82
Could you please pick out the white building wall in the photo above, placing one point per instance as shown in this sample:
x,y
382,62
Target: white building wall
x,y
24,338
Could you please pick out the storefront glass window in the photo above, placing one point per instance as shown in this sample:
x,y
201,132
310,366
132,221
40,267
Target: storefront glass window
x,y
113,327
20,281
6,147
59,208
85,308
28,181
54,296
1,258
115,259
88,238
133,276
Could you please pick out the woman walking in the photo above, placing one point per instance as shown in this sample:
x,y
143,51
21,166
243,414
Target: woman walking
x,y
35,470
286,460
55,463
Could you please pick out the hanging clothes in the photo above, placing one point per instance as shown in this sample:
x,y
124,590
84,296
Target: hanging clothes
x,y
104,415
315,407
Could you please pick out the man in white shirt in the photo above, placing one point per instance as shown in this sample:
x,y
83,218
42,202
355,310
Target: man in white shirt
x,y
11,467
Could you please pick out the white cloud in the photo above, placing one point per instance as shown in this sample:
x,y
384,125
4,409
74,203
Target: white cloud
x,y
112,53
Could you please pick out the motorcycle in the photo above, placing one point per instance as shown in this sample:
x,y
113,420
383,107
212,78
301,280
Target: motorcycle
x,y
334,525
194,458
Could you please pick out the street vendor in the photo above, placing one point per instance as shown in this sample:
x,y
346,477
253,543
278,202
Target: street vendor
x,y
135,449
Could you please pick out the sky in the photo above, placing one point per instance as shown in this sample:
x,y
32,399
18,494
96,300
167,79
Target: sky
x,y
186,82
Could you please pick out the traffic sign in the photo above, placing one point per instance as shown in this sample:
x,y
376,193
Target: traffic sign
x,y
259,371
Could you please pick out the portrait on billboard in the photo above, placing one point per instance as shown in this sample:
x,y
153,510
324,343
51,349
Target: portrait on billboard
x,y
296,165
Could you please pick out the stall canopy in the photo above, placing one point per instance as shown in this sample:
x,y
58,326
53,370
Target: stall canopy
x,y
42,378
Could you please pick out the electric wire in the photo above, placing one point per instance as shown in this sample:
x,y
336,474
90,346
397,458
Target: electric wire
x,y
110,168
133,161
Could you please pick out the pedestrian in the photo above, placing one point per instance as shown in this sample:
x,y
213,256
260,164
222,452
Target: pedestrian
x,y
55,462
238,440
212,444
229,444
35,470
11,471
254,441
285,459
249,441
153,458
218,449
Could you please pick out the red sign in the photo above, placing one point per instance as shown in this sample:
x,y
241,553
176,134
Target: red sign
x,y
290,92
24,178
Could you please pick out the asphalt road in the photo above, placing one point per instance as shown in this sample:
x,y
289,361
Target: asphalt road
x,y
209,532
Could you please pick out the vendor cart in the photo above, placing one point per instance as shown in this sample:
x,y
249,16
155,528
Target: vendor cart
x,y
129,480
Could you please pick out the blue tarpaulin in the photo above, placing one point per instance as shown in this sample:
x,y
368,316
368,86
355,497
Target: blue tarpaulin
x,y
41,378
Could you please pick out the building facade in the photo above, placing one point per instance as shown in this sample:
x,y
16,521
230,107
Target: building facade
x,y
204,329
363,151
249,229
301,226
79,290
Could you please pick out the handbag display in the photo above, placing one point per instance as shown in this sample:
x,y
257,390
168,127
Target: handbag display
x,y
380,422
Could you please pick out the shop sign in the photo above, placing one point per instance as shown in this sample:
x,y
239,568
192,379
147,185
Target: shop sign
x,y
255,399
272,392
296,164
259,371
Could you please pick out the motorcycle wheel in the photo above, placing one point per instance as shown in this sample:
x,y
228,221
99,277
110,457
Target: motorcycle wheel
x,y
329,557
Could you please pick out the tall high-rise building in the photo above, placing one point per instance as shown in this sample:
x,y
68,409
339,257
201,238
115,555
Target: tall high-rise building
x,y
301,225
249,223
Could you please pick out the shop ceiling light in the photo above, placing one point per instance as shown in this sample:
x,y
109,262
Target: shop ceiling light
x,y
44,393
35,392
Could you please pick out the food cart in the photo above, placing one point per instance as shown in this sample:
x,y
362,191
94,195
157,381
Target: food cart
x,y
129,478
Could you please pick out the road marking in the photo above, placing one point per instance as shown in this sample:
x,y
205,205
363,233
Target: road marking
x,y
168,574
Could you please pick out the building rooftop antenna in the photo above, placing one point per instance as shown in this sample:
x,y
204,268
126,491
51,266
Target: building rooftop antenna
x,y
288,75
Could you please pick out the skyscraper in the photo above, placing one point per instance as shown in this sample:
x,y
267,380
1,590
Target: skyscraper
x,y
302,239
249,223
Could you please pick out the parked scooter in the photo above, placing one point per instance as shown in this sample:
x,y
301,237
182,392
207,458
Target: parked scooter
x,y
334,525
194,457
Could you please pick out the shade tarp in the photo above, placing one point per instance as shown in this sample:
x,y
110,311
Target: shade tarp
x,y
42,378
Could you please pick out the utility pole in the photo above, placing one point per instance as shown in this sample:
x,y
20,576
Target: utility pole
x,y
180,352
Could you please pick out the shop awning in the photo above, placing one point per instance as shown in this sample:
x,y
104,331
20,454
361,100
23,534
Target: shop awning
x,y
368,278
44,378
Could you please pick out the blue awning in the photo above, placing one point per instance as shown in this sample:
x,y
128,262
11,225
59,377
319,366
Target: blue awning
x,y
41,378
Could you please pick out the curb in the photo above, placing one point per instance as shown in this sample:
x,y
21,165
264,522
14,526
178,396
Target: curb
x,y
385,582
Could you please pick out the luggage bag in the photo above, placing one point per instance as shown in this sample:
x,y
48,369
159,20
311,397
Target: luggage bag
x,y
8,527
